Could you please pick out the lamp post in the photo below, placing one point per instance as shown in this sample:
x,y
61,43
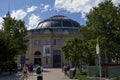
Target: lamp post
x,y
99,58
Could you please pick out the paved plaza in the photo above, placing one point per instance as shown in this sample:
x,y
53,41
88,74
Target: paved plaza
x,y
48,74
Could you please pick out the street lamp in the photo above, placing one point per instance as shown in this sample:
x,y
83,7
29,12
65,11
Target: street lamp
x,y
99,58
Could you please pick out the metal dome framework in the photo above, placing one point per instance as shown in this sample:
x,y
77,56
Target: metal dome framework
x,y
58,21
57,24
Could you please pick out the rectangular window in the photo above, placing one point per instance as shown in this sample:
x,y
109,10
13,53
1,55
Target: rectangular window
x,y
37,42
56,52
59,31
56,42
46,60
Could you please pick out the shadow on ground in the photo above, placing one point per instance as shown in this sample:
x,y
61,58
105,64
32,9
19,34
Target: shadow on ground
x,y
10,77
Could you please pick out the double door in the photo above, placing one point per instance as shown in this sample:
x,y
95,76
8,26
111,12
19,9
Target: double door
x,y
56,58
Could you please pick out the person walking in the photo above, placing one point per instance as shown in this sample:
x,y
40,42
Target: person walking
x,y
25,73
31,69
65,70
39,72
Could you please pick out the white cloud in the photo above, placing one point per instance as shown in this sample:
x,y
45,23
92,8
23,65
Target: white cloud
x,y
31,9
1,21
42,4
44,8
33,21
116,2
18,14
78,6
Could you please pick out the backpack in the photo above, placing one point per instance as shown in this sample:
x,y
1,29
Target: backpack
x,y
38,71
25,72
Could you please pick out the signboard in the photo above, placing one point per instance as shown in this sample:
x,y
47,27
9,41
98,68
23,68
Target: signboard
x,y
46,50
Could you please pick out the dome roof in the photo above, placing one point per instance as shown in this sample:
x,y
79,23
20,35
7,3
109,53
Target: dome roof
x,y
58,21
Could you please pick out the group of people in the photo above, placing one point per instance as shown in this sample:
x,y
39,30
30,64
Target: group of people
x,y
28,69
65,68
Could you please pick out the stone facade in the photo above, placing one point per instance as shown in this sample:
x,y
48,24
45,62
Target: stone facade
x,y
45,44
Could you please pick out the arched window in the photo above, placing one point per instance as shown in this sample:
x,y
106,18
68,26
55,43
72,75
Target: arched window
x,y
37,54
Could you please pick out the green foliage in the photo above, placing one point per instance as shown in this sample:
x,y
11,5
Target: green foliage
x,y
12,40
16,30
103,23
117,78
73,50
83,75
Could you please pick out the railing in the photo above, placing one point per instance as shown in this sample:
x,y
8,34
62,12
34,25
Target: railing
x,y
107,71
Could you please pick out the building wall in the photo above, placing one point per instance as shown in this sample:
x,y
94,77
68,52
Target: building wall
x,y
47,38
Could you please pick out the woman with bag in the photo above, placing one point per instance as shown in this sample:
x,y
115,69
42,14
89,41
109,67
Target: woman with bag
x,y
25,73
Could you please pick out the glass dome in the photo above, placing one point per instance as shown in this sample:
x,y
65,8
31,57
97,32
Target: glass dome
x,y
58,21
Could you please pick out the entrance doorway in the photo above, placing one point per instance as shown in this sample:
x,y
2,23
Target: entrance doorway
x,y
56,58
22,59
37,58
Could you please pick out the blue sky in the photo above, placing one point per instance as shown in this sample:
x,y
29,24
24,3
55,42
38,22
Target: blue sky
x,y
34,11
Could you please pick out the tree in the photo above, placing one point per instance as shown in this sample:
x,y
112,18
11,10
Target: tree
x,y
16,30
73,50
104,21
88,44
13,41
5,56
